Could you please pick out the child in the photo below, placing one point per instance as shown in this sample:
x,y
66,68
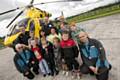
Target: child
x,y
47,50
69,52
63,27
74,31
42,63
31,34
56,48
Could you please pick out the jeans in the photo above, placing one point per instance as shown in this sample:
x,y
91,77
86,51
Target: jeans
x,y
44,67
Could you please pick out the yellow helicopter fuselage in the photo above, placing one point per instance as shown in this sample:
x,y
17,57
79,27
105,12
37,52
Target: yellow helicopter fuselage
x,y
35,15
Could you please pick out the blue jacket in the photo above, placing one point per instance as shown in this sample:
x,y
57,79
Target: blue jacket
x,y
93,54
23,60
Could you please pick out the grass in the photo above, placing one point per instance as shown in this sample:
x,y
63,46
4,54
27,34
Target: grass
x,y
96,13
100,15
1,43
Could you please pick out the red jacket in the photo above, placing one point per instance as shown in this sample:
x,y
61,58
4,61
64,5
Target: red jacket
x,y
68,43
37,53
68,49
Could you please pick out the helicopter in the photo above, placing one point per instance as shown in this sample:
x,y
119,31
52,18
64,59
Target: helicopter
x,y
33,14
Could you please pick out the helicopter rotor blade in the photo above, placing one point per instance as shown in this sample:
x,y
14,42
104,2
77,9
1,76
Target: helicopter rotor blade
x,y
32,1
10,10
31,4
16,8
15,18
11,30
57,2
18,15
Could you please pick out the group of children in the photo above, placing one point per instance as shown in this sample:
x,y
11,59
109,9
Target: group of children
x,y
55,53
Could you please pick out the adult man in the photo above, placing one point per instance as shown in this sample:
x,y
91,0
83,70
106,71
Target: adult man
x,y
46,25
24,60
23,37
93,56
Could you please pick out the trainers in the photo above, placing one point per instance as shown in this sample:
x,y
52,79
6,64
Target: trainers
x,y
73,77
67,73
78,77
63,72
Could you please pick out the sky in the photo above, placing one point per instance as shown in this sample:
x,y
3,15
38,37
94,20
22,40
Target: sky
x,y
68,8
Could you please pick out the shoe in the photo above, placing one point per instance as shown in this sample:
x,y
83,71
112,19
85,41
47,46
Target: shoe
x,y
49,74
44,75
52,74
73,77
78,77
63,72
36,72
57,72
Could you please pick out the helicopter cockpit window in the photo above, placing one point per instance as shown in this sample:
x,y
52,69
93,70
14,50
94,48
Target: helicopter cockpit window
x,y
41,16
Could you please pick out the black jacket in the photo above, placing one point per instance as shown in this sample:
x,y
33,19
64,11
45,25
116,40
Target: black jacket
x,y
68,49
47,27
22,38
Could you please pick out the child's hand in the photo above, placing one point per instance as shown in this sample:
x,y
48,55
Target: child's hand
x,y
33,62
76,58
63,60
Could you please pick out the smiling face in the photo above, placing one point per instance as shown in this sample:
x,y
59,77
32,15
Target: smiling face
x,y
19,47
62,26
46,19
53,31
56,41
22,29
31,34
73,28
65,36
33,43
42,33
83,36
